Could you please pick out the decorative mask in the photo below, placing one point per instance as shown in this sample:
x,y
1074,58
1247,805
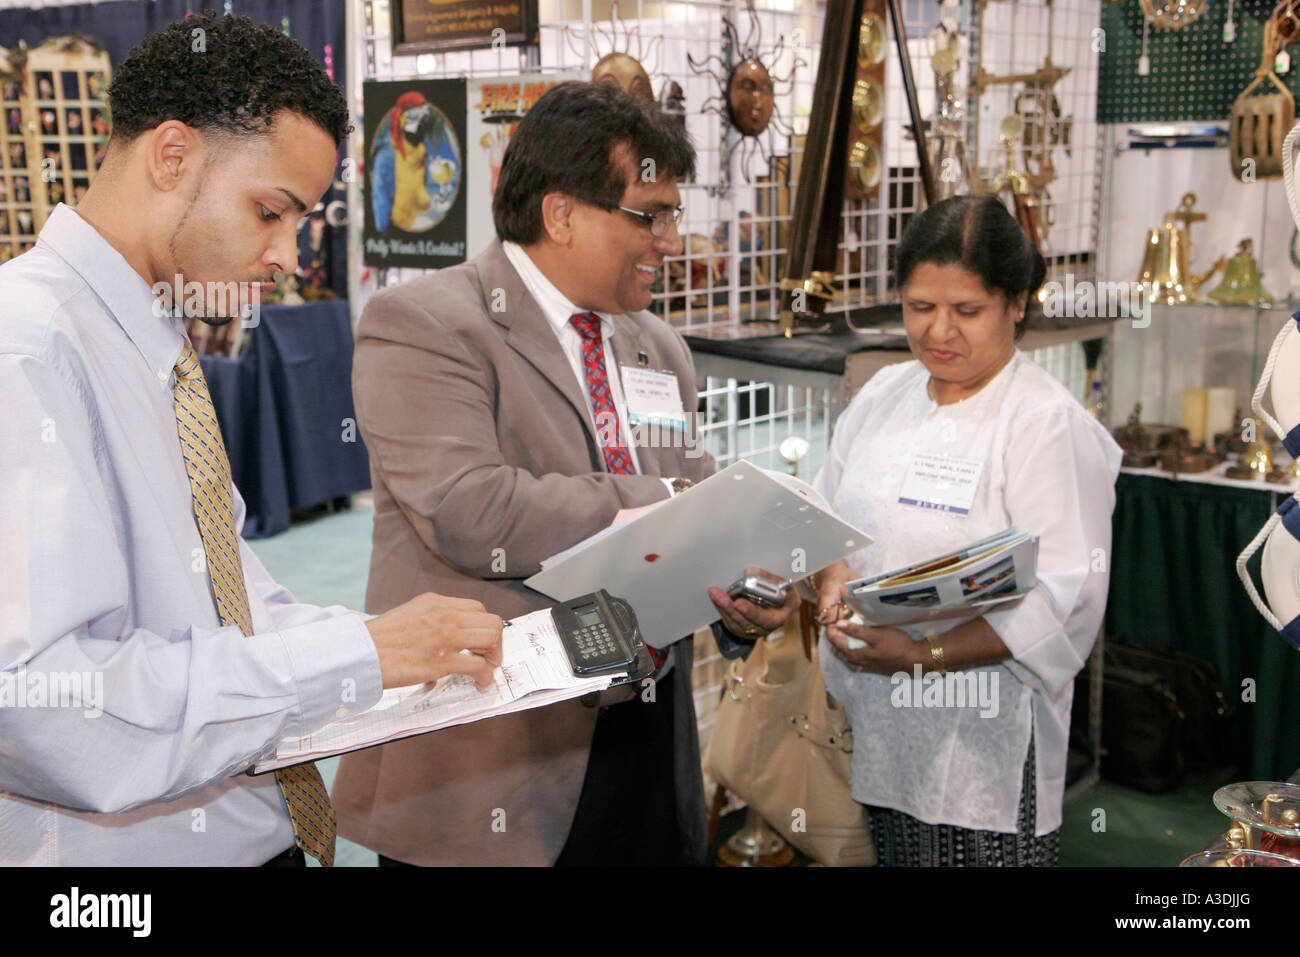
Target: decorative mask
x,y
750,97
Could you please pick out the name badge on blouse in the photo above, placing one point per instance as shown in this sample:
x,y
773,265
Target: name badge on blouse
x,y
941,482
653,399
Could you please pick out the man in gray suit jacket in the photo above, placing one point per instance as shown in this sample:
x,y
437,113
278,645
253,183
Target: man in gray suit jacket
x,y
495,400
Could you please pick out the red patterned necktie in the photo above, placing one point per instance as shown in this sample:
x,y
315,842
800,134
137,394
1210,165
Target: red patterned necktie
x,y
608,428
610,431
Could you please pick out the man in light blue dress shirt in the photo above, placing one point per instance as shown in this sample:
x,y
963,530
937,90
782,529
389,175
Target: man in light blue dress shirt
x,y
127,712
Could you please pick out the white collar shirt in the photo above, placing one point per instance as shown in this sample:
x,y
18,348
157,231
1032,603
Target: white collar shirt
x,y
127,712
558,310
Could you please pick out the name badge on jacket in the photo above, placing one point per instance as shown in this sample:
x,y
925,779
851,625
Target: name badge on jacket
x,y
941,482
653,399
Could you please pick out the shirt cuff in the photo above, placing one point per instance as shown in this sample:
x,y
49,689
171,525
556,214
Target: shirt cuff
x,y
729,645
335,668
668,484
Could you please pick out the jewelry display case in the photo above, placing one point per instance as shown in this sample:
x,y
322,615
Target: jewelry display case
x,y
53,133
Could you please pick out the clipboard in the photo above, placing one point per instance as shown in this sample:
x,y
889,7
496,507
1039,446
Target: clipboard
x,y
572,649
662,562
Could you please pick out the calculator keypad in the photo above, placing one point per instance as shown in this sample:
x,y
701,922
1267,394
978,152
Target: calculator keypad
x,y
595,643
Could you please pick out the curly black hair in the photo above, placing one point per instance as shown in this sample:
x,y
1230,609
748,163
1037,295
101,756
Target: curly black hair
x,y
233,77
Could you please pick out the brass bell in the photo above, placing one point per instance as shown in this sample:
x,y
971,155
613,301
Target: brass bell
x,y
1258,456
1241,284
1166,273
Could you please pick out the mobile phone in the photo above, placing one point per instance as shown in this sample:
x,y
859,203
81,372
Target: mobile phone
x,y
761,591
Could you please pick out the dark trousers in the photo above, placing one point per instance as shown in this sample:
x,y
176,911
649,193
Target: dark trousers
x,y
293,857
627,812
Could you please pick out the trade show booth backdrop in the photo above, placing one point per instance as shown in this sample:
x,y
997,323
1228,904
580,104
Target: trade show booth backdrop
x,y
319,25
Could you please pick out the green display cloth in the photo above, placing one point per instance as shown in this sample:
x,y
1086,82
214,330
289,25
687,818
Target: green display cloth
x,y
1173,579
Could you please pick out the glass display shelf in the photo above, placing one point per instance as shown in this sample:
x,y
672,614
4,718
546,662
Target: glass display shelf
x,y
1190,346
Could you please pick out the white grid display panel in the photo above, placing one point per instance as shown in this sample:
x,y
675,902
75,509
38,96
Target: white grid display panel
x,y
736,281
1066,363
1015,38
749,420
727,282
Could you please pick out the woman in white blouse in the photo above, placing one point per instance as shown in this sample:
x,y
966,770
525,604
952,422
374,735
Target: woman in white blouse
x,y
981,783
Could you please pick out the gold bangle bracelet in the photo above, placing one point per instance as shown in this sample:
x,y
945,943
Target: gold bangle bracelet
x,y
936,654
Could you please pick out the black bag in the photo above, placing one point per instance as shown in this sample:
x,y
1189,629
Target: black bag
x,y
1141,727
1163,713
1209,739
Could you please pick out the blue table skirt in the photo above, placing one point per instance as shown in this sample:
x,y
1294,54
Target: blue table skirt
x,y
285,407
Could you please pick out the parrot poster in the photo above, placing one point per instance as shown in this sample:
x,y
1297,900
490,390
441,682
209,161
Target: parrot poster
x,y
415,212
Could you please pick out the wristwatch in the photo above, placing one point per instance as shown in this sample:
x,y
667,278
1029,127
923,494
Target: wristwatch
x,y
680,485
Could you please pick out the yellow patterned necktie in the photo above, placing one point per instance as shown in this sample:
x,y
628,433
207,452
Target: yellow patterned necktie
x,y
208,469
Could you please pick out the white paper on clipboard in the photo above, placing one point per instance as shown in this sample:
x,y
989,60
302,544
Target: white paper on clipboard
x,y
663,562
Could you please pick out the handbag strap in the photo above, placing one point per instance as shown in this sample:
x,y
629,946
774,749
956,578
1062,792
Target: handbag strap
x,y
808,627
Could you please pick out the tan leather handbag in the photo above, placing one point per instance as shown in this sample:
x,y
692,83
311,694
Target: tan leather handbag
x,y
783,745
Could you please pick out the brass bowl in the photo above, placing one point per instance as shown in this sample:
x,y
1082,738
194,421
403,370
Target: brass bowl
x,y
1150,438
868,104
866,165
1188,461
1139,460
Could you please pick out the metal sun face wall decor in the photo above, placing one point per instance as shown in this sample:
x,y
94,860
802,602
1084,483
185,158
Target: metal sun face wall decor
x,y
750,97
747,90
619,67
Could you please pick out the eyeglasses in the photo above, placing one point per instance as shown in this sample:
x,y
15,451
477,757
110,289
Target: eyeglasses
x,y
658,222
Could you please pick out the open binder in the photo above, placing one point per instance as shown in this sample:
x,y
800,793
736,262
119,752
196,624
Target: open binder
x,y
664,560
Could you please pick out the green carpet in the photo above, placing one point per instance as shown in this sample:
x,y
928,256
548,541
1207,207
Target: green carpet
x,y
1151,830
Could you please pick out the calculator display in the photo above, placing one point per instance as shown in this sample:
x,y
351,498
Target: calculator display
x,y
589,615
